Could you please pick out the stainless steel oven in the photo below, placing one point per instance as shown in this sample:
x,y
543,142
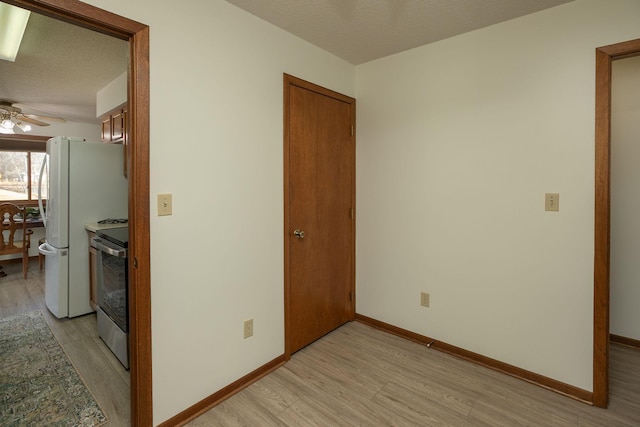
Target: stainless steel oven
x,y
113,290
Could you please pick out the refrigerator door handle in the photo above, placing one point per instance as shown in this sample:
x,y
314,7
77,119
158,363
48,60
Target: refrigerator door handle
x,y
42,213
46,249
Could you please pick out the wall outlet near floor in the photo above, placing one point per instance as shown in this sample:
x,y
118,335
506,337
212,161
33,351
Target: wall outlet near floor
x,y
424,299
248,328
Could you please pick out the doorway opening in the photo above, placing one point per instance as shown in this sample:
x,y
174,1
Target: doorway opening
x,y
77,13
602,219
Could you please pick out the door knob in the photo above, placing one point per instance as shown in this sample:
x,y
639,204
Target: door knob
x,y
298,233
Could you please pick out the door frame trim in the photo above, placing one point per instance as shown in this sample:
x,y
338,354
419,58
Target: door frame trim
x,y
289,81
84,15
602,221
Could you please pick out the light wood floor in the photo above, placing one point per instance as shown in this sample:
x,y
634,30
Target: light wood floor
x,y
355,376
101,371
359,376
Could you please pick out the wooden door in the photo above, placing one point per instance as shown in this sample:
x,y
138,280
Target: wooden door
x,y
320,203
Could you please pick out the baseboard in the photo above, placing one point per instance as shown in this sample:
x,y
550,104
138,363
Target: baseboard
x,y
629,342
204,405
531,377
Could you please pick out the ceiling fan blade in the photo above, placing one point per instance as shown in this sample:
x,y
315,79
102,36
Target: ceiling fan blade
x,y
47,118
32,121
7,106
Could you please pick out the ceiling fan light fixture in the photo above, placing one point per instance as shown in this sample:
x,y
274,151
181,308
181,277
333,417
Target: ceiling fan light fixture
x,y
13,21
24,127
7,124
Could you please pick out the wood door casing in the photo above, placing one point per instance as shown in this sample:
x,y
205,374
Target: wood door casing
x,y
320,200
602,217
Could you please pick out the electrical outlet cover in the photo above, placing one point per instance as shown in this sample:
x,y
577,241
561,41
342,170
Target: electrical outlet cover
x,y
424,299
248,328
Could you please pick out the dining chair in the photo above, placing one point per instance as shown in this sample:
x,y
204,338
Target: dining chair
x,y
13,219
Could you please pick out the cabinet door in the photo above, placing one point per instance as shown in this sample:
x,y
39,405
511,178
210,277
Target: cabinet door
x,y
106,129
117,126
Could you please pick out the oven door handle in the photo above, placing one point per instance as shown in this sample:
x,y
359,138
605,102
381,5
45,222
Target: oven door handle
x,y
96,243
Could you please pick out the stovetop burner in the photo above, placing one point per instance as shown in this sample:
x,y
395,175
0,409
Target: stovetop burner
x,y
113,221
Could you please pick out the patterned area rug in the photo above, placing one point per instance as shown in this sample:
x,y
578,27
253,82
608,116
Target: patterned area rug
x,y
38,384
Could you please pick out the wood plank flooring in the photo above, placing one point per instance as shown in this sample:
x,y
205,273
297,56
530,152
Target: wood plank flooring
x,y
355,376
360,376
101,371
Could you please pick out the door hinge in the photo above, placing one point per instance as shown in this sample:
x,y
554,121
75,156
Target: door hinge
x,y
352,130
135,262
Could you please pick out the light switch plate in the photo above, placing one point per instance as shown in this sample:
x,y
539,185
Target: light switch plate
x,y
164,204
552,202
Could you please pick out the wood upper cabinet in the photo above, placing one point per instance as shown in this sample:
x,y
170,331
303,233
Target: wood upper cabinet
x,y
114,125
117,125
115,130
106,129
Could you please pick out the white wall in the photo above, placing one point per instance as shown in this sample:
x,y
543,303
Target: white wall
x,y
457,143
90,132
216,145
112,95
625,198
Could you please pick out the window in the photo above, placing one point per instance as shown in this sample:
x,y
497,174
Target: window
x,y
19,173
20,163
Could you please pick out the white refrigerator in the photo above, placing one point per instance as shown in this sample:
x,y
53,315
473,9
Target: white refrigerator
x,y
85,185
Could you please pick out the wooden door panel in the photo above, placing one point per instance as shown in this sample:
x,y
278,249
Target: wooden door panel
x,y
321,166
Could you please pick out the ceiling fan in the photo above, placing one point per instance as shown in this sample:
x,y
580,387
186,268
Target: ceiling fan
x,y
11,115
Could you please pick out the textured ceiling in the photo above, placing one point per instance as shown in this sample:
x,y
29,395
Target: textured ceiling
x,y
59,69
363,30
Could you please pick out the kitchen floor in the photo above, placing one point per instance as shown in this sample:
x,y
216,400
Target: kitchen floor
x,y
101,371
